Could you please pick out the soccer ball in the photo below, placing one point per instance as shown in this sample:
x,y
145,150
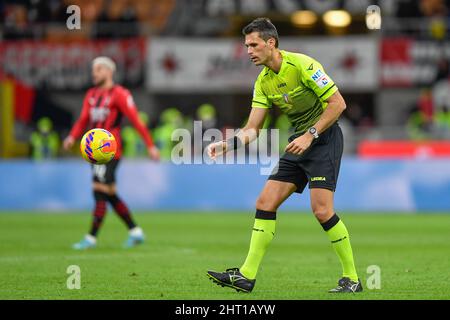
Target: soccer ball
x,y
98,146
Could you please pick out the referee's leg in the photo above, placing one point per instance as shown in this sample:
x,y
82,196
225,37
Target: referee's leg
x,y
323,208
272,196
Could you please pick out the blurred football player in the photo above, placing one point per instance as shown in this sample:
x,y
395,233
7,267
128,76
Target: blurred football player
x,y
104,106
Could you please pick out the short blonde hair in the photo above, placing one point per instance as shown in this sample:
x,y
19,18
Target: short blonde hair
x,y
106,61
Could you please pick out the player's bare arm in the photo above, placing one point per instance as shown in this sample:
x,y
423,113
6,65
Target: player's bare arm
x,y
78,127
336,105
68,142
128,107
246,135
153,152
152,149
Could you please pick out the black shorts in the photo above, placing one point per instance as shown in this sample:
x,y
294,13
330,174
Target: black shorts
x,y
318,166
105,173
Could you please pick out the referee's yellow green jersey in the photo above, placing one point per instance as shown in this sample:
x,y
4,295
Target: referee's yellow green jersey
x,y
299,89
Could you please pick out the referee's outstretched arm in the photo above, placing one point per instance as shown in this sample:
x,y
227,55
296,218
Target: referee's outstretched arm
x,y
246,135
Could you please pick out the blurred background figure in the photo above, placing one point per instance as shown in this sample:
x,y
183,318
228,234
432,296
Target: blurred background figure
x,y
419,125
420,121
44,141
441,90
133,146
206,113
170,120
105,104
442,123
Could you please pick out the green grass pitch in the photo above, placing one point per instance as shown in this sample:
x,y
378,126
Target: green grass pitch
x,y
412,252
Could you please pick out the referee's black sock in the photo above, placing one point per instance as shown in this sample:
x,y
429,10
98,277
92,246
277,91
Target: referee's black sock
x,y
122,210
99,211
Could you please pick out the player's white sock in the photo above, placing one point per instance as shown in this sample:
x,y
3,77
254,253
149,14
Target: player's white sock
x,y
136,232
91,238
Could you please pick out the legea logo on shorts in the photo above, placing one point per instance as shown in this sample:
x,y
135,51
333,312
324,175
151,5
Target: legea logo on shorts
x,y
318,179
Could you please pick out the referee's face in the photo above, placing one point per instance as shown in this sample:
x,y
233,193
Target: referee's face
x,y
258,50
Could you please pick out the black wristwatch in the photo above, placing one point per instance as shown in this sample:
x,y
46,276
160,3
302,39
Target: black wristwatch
x,y
313,132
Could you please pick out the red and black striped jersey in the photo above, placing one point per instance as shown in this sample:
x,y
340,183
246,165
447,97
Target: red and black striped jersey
x,y
105,108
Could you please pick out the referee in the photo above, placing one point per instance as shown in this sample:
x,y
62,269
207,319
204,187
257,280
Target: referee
x,y
299,86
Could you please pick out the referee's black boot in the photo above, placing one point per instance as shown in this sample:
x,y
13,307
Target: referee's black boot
x,y
232,278
346,285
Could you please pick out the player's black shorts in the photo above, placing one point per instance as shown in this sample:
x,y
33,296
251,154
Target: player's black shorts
x,y
105,173
319,165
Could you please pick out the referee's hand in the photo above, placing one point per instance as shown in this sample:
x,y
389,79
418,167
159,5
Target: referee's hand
x,y
216,149
300,144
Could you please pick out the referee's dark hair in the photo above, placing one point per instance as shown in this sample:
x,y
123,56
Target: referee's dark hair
x,y
265,28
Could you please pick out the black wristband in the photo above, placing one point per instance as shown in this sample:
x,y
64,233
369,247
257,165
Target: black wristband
x,y
234,142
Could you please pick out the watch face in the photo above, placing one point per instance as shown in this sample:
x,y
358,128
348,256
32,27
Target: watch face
x,y
312,130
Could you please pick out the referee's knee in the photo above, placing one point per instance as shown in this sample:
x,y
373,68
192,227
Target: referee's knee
x,y
322,213
266,204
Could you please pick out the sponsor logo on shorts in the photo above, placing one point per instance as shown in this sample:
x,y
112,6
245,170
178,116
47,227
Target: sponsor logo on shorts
x,y
318,179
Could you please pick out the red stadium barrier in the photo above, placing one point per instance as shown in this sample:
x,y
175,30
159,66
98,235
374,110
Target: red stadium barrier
x,y
404,149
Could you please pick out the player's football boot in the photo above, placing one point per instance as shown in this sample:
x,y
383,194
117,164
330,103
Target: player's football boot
x,y
232,278
86,243
346,285
135,237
